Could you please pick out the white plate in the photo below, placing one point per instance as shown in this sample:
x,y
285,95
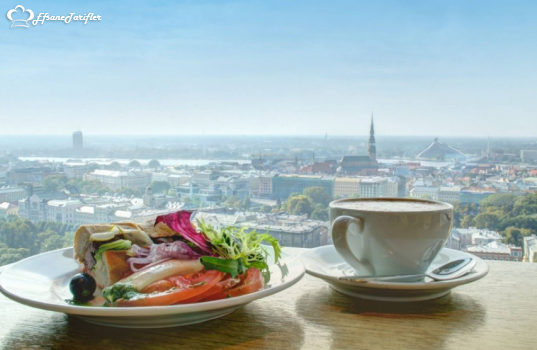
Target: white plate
x,y
325,263
42,281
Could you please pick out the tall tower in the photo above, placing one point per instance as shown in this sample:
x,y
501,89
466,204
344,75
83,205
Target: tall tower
x,y
78,140
371,148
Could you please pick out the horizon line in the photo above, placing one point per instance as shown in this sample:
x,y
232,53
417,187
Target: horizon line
x,y
266,135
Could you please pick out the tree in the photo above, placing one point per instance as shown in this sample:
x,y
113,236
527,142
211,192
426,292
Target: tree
x,y
89,187
521,221
20,238
52,243
11,255
129,192
320,214
515,236
526,205
246,203
317,195
298,205
504,201
232,202
265,209
488,221
294,194
160,186
467,221
54,183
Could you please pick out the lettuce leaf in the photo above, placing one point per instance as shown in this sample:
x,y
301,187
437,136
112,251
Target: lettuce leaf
x,y
233,243
121,244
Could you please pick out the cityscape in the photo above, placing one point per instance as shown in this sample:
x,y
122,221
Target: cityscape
x,y
233,174
282,186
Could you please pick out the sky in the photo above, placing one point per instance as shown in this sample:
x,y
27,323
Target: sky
x,y
442,68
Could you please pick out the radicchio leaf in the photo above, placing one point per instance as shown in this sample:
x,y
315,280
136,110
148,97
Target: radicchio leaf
x,y
180,223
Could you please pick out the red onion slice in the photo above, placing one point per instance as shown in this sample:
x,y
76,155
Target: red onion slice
x,y
158,253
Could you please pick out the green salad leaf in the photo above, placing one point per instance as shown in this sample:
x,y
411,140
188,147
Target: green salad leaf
x,y
236,244
233,267
120,244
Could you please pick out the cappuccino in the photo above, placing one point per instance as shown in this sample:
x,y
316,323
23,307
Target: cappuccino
x,y
389,236
390,205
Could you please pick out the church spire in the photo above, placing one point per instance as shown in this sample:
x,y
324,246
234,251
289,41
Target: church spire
x,y
371,148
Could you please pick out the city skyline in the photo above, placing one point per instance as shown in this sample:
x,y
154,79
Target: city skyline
x,y
278,68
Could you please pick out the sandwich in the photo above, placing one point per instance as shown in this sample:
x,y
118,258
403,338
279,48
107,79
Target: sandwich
x,y
169,260
103,249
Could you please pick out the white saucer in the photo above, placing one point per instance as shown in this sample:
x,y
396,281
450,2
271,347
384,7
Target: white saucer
x,y
325,263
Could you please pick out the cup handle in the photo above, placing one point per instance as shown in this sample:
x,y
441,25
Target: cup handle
x,y
340,233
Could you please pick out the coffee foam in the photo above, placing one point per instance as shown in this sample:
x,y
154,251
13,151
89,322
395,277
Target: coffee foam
x,y
390,206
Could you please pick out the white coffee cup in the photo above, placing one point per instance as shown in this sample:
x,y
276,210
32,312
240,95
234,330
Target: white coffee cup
x,y
390,236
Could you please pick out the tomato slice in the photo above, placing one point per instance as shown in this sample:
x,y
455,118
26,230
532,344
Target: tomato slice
x,y
227,283
252,283
187,288
158,286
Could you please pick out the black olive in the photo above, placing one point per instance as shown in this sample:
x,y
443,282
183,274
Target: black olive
x,y
82,287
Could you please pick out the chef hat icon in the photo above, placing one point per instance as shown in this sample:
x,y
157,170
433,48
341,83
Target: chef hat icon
x,y
20,22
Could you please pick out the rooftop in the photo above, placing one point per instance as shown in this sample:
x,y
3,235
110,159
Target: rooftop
x,y
65,203
492,247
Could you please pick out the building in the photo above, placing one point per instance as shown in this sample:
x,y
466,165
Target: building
x,y
253,185
176,180
424,192
393,188
63,210
362,165
12,194
528,155
346,187
29,175
290,233
530,248
205,178
449,194
76,170
35,208
475,236
265,185
475,195
327,167
230,185
7,209
496,251
484,237
439,151
78,142
119,179
284,185
371,187
159,177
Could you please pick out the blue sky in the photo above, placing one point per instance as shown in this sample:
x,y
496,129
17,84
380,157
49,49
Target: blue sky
x,y
458,68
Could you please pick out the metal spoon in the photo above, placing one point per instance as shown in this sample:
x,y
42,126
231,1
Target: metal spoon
x,y
451,270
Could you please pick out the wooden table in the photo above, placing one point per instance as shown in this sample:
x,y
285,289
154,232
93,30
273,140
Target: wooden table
x,y
497,312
